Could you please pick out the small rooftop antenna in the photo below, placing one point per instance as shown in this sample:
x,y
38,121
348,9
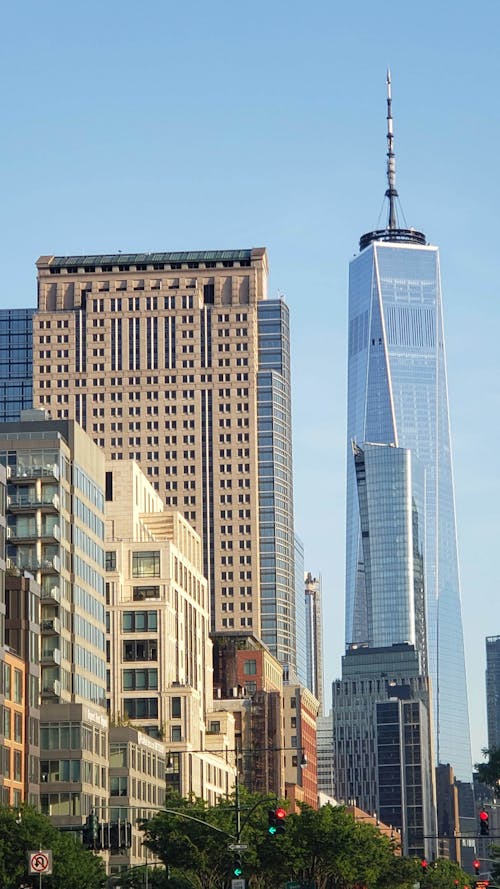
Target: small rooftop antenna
x,y
391,192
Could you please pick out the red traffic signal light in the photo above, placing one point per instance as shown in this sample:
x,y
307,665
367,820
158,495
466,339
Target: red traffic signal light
x,y
424,865
484,823
476,864
280,815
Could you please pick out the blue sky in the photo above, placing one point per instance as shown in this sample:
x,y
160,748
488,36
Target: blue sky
x,y
161,126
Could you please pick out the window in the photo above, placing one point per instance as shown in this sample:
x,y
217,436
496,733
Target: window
x,y
111,560
146,564
137,680
140,650
140,708
138,621
118,785
18,687
176,708
146,592
176,733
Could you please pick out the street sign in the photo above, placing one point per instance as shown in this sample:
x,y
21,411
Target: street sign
x,y
40,862
237,884
237,847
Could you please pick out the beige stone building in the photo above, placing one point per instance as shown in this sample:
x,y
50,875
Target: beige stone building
x,y
180,362
159,650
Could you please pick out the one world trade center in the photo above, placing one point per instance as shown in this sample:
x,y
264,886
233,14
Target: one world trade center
x,y
397,394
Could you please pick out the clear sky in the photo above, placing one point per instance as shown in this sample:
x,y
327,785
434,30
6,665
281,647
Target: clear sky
x,y
204,125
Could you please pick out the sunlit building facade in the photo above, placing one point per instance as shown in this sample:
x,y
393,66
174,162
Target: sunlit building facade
x,y
55,532
180,362
397,394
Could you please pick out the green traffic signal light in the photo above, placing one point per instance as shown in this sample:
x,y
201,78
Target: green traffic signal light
x,y
238,868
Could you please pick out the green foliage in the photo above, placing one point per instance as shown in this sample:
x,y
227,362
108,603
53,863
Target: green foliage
x,y
326,848
495,865
489,772
443,874
26,830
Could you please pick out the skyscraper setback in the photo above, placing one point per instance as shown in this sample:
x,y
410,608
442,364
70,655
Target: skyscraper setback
x,y
397,394
179,361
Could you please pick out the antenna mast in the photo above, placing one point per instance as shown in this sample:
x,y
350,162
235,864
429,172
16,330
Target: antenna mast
x,y
391,192
391,232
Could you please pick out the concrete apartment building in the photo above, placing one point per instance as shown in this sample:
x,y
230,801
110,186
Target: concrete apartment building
x,y
55,532
180,362
159,649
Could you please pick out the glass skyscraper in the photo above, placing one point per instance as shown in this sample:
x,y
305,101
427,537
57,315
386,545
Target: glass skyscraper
x,y
16,362
397,394
493,690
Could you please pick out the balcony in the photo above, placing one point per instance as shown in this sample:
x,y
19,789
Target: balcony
x,y
31,502
51,626
51,688
22,533
51,656
51,593
31,563
50,565
27,531
51,533
21,473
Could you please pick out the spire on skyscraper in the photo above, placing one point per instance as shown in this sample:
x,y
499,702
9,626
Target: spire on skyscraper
x,y
392,232
391,192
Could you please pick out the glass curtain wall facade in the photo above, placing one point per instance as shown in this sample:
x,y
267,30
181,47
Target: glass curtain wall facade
x,y
275,482
397,394
300,616
16,362
493,690
391,490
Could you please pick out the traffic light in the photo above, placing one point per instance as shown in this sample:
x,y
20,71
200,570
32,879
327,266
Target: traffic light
x,y
280,820
484,823
91,837
237,867
476,864
276,821
423,865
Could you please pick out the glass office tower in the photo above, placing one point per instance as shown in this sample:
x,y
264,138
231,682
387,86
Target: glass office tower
x,y
397,394
16,362
493,690
275,483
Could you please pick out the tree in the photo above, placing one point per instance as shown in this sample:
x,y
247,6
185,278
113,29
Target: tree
x,y
193,840
324,847
489,772
22,831
443,874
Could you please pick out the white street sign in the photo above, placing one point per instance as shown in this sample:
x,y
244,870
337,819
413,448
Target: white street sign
x,y
40,862
237,847
237,884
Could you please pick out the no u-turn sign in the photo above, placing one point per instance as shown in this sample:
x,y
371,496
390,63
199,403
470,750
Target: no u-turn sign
x,y
40,862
